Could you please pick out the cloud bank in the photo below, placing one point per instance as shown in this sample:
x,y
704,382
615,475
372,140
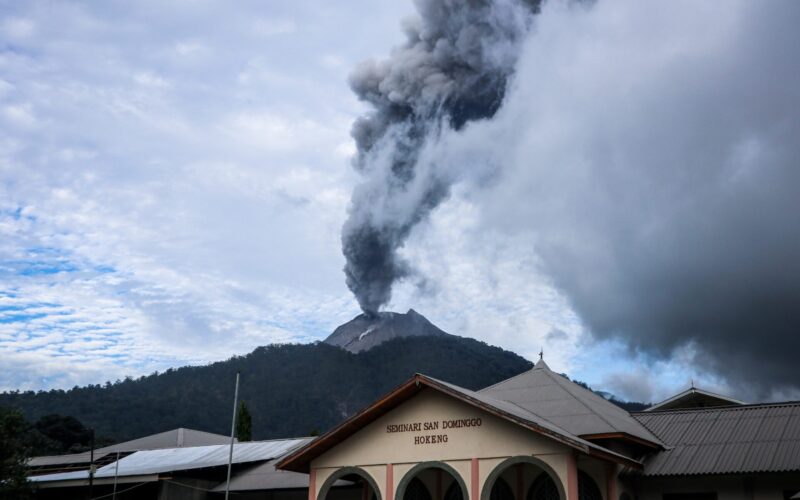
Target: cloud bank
x,y
651,153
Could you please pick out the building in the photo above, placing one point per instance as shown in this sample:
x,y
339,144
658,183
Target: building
x,y
535,436
539,436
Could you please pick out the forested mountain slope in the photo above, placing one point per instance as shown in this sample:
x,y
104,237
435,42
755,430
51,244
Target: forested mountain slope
x,y
291,390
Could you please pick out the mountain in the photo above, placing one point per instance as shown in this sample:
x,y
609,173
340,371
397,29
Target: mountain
x,y
364,332
290,389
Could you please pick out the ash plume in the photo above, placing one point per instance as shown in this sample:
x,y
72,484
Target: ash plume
x,y
453,69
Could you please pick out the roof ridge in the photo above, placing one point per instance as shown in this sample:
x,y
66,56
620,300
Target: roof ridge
x,y
743,407
567,388
506,380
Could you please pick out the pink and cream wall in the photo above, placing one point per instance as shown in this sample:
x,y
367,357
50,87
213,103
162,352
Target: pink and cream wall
x,y
434,429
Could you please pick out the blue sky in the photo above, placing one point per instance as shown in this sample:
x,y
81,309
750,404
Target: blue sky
x,y
173,180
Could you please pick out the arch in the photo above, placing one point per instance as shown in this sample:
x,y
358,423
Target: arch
x,y
349,471
587,488
416,490
486,493
501,490
454,492
433,464
543,488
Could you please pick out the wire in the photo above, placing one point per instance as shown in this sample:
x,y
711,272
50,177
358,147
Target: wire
x,y
194,487
119,492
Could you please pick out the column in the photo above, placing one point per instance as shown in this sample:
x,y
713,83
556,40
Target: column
x,y
475,491
572,476
312,484
611,482
389,482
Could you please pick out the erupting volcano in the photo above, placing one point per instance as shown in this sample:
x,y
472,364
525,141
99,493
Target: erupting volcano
x,y
366,331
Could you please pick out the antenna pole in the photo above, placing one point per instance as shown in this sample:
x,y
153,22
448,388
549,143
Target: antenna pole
x,y
233,433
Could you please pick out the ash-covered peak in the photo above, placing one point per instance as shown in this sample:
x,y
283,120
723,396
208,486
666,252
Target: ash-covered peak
x,y
366,331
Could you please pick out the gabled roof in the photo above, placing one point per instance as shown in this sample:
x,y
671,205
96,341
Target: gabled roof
x,y
579,411
300,460
694,398
175,438
725,440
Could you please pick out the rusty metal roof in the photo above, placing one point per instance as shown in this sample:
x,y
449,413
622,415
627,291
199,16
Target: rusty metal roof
x,y
725,440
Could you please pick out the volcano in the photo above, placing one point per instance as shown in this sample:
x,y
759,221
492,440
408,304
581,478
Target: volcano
x,y
365,332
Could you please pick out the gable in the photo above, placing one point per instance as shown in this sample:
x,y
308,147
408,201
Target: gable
x,y
432,425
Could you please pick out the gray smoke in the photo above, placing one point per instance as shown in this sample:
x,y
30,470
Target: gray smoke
x,y
653,150
453,69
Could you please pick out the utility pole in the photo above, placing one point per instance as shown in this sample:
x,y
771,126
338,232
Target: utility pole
x,y
116,473
233,433
91,465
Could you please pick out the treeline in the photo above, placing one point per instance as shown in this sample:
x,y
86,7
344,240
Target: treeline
x,y
291,389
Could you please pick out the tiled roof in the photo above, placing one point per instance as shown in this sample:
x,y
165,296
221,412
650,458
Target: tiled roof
x,y
725,440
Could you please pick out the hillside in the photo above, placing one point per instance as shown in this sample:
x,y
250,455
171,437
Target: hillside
x,y
292,390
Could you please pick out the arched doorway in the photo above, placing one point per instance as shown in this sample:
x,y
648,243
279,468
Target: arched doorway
x,y
349,483
523,478
587,488
432,481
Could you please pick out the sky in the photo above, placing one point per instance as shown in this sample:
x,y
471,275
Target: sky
x,y
174,179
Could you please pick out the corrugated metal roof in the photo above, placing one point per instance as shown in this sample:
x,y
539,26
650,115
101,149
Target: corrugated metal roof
x,y
565,404
177,459
180,437
725,440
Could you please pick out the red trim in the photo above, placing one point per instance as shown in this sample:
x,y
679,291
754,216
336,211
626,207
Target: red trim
x,y
611,482
312,484
300,460
389,482
572,477
475,478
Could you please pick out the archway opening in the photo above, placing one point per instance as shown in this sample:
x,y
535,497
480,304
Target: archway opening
x,y
587,488
522,478
432,481
349,484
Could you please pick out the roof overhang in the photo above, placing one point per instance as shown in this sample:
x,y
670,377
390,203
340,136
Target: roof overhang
x,y
622,436
300,460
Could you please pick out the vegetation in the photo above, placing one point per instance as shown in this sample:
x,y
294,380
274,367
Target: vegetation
x,y
14,452
290,389
244,423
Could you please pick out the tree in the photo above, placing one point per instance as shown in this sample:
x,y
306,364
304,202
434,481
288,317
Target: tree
x,y
244,423
13,455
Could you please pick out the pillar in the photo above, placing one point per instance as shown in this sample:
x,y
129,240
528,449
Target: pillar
x,y
312,484
389,482
572,476
475,491
611,482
